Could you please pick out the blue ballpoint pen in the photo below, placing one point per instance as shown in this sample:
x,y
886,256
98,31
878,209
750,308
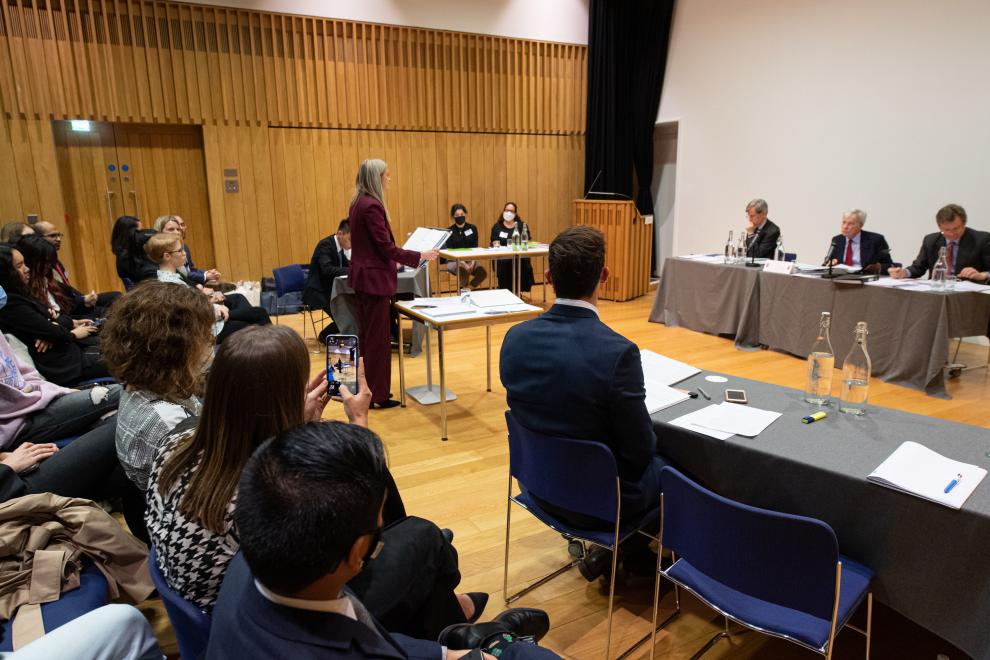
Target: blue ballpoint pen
x,y
953,483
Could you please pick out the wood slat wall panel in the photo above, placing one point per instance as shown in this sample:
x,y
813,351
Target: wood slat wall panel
x,y
167,62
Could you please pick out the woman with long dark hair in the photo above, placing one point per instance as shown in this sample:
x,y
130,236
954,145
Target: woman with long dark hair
x,y
505,226
127,243
259,385
374,258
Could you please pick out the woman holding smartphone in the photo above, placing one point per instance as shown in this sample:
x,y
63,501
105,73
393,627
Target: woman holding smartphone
x,y
374,260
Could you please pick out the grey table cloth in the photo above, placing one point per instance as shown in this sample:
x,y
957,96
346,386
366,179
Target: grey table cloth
x,y
343,306
931,562
909,330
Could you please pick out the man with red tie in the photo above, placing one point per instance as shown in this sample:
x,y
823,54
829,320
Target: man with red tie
x,y
857,248
967,250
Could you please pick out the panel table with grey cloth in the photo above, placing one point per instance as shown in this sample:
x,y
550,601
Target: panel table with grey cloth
x,y
343,306
930,561
909,330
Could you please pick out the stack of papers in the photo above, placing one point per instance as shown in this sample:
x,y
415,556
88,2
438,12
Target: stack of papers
x,y
723,420
711,258
664,370
917,470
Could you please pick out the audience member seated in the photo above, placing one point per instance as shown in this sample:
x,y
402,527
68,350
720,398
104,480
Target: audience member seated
x,y
61,348
158,340
232,312
127,243
330,261
762,235
173,224
967,250
111,632
857,248
40,257
193,486
285,595
12,232
463,234
569,375
502,235
91,303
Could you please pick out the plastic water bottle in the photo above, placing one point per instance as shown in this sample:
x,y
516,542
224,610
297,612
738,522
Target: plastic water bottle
x,y
940,270
856,375
779,252
730,251
821,362
515,239
525,238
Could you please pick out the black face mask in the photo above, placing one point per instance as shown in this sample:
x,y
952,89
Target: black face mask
x,y
460,219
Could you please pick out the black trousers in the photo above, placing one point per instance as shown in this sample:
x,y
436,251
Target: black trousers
x,y
242,314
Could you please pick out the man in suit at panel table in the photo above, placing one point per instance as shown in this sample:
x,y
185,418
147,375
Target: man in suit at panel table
x,y
967,250
762,234
284,594
330,260
567,374
858,248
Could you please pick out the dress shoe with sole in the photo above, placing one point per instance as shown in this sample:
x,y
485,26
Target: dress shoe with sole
x,y
519,621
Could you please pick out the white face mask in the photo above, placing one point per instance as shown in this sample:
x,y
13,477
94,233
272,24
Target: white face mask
x,y
508,216
347,253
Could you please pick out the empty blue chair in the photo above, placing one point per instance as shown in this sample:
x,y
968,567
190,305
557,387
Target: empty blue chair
x,y
576,475
191,624
772,572
290,279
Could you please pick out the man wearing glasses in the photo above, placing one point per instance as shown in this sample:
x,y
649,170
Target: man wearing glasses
x,y
93,302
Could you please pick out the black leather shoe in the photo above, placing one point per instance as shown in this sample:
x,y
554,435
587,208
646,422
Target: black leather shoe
x,y
387,403
597,561
479,599
448,535
518,621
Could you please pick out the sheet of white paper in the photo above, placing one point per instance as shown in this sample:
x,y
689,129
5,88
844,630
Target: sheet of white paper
x,y
425,238
505,309
687,422
493,298
737,419
664,369
660,396
917,470
966,285
711,258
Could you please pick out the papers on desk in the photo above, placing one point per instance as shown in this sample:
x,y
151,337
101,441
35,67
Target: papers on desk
x,y
463,307
664,370
710,258
723,420
926,285
917,470
493,298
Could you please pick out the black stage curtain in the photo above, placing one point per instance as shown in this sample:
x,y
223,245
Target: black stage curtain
x,y
627,56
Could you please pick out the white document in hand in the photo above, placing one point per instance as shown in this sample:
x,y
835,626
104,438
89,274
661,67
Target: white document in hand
x,y
663,369
918,470
425,238
737,419
688,422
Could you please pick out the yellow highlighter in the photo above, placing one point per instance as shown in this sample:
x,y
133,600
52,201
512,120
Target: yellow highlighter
x,y
814,417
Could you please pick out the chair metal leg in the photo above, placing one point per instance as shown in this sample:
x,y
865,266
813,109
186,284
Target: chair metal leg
x,y
543,580
724,633
869,623
508,518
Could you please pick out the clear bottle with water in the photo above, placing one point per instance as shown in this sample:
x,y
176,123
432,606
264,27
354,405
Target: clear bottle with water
x,y
524,238
778,254
516,239
741,249
730,250
940,270
856,375
821,362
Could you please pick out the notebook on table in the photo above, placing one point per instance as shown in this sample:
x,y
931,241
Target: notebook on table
x,y
917,470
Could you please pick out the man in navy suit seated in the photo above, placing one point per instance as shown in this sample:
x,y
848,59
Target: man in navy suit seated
x,y
858,248
569,375
309,517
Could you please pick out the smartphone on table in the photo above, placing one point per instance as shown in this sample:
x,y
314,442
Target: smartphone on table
x,y
343,352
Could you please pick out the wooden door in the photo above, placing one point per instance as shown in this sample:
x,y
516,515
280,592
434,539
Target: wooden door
x,y
125,169
88,169
163,172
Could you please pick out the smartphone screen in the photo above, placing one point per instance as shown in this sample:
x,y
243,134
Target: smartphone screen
x,y
342,360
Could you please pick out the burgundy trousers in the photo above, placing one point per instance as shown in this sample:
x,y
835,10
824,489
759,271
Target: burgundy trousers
x,y
376,343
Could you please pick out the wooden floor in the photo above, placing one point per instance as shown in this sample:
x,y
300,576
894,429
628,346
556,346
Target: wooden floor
x,y
461,484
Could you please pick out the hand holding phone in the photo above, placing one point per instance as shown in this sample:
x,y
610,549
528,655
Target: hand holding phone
x,y
356,405
343,353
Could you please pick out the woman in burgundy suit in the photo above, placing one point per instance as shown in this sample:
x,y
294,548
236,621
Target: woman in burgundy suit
x,y
374,259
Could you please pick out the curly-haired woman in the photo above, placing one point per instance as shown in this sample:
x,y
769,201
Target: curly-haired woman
x,y
156,342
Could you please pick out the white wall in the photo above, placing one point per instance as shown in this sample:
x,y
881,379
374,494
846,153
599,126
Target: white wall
x,y
820,106
543,20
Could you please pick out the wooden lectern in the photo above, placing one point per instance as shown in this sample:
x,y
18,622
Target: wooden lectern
x,y
629,245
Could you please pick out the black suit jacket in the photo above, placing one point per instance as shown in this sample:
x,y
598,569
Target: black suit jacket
x,y
325,265
28,320
873,249
567,374
246,625
974,251
764,242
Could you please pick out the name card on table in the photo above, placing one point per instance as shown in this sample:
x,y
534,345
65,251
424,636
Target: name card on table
x,y
782,267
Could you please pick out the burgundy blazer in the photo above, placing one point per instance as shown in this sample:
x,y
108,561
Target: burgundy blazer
x,y
373,250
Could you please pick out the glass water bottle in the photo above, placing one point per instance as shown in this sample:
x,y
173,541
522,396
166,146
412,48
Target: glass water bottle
x,y
821,362
940,270
856,375
730,251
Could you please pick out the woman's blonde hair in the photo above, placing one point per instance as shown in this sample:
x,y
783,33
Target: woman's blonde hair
x,y
161,221
369,181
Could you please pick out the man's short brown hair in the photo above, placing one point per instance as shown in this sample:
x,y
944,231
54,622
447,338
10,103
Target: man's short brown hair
x,y
159,244
950,212
577,257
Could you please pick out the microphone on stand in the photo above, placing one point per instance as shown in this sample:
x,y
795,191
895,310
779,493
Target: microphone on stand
x,y
751,248
593,182
828,261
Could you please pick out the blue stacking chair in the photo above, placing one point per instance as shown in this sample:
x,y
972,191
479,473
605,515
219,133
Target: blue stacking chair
x,y
772,572
191,624
576,475
289,279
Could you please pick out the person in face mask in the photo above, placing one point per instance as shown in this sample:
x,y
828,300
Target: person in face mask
x,y
331,259
502,232
464,235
